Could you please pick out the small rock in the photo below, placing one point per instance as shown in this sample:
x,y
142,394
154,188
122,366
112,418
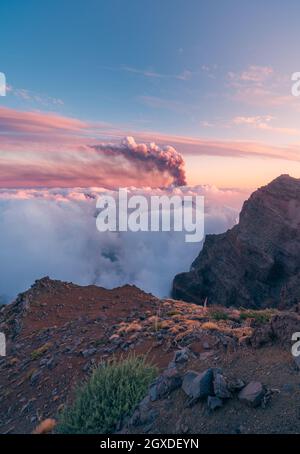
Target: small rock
x,y
252,394
181,356
236,385
35,377
50,363
221,389
165,383
88,352
214,402
198,386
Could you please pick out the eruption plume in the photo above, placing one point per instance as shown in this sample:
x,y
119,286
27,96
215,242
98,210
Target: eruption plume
x,y
150,157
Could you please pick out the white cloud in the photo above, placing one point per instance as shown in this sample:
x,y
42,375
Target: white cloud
x,y
53,232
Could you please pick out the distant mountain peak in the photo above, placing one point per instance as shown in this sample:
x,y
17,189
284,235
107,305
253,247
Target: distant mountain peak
x,y
257,262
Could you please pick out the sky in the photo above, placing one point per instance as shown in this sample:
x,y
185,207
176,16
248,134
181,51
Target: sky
x,y
211,79
173,96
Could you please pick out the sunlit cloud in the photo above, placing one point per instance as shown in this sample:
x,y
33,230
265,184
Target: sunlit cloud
x,y
260,86
264,122
46,150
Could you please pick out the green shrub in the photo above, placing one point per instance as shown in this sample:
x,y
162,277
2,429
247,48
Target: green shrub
x,y
35,354
111,393
218,315
260,316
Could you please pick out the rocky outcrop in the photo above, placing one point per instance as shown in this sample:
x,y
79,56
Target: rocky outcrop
x,y
280,328
255,264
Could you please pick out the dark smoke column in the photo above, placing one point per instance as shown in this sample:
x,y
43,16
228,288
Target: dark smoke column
x,y
164,160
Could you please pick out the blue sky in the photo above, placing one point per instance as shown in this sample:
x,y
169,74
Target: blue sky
x,y
217,70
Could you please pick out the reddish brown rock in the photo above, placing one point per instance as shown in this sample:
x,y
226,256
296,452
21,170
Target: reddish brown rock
x,y
252,394
255,264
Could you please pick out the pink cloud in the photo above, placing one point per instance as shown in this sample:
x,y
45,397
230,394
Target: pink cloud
x,y
37,122
47,150
264,122
253,73
261,86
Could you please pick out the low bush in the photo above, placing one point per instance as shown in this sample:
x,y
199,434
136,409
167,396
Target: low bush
x,y
218,315
260,316
111,393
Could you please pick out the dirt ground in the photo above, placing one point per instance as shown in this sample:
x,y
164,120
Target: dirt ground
x,y
57,332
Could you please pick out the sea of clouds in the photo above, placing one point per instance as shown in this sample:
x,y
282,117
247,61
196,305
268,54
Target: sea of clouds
x,y
53,232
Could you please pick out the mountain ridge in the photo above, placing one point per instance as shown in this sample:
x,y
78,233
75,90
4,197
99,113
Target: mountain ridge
x,y
255,263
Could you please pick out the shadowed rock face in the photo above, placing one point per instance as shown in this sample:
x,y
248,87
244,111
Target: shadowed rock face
x,y
257,262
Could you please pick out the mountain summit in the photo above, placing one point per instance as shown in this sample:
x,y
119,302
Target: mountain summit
x,y
255,264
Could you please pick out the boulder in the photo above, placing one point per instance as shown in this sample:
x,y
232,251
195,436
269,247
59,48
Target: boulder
x,y
220,385
198,386
187,382
252,394
165,384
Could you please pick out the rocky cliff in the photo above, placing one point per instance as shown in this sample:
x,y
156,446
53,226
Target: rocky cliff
x,y
255,264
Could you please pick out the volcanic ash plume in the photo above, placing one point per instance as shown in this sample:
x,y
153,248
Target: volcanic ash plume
x,y
150,157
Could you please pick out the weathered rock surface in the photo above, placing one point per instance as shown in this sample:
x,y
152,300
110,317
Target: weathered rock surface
x,y
221,389
280,328
252,394
165,383
198,386
255,264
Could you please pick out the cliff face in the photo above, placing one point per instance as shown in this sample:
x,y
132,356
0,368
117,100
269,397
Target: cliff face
x,y
257,262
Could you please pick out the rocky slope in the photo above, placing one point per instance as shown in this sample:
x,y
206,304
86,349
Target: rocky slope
x,y
255,264
56,333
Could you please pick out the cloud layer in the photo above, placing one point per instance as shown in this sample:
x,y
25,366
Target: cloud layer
x,y
53,232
